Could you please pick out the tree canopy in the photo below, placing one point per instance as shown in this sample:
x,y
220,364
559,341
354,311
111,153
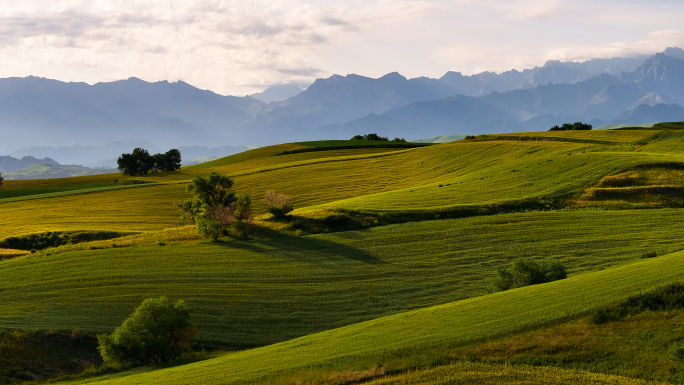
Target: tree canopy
x,y
140,162
215,208
572,127
159,330
376,137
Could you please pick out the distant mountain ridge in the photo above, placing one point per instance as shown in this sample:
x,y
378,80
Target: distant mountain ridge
x,y
37,113
9,164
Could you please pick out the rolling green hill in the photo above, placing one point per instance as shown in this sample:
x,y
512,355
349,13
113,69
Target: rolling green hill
x,y
595,201
407,334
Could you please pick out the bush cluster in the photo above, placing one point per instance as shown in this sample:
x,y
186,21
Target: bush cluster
x,y
376,137
572,127
279,205
55,239
665,298
140,162
525,272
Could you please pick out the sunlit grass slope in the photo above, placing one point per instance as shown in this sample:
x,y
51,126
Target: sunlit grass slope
x,y
406,334
560,175
437,177
310,178
269,290
502,374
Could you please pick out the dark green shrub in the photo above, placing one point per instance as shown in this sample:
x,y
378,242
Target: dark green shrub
x,y
469,137
297,224
665,298
159,330
372,137
525,272
677,352
604,315
54,239
651,254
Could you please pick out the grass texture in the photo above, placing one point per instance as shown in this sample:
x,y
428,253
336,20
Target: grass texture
x,y
253,293
408,333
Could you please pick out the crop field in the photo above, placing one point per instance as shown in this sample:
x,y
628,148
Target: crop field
x,y
548,176
409,333
313,283
13,193
608,136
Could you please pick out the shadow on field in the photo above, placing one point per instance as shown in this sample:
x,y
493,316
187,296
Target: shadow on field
x,y
310,249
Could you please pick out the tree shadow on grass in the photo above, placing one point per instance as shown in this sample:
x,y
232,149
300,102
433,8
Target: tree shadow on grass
x,y
306,248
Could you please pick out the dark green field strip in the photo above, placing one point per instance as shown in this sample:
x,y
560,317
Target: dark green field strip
x,y
270,290
4,194
25,195
407,334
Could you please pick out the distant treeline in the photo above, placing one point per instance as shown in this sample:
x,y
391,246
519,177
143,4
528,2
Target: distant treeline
x,y
140,162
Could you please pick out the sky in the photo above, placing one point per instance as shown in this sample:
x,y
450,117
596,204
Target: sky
x,y
239,47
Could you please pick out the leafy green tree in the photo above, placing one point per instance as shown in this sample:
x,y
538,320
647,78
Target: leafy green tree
x,y
213,192
139,162
210,228
169,161
159,330
215,208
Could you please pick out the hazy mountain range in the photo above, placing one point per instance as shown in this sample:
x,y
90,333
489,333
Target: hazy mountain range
x,y
93,124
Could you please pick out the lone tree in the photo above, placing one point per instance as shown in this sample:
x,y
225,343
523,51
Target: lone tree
x,y
279,205
1,179
159,330
577,126
215,208
140,162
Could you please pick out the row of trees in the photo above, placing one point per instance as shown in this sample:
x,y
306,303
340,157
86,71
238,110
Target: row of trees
x,y
376,137
140,162
577,126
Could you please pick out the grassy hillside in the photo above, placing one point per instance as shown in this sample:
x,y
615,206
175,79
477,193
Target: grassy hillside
x,y
285,285
313,283
408,334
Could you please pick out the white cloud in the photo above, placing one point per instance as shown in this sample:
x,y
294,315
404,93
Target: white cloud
x,y
228,46
239,47
656,41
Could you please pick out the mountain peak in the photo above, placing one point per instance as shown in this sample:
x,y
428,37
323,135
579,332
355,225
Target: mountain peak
x,y
393,76
674,52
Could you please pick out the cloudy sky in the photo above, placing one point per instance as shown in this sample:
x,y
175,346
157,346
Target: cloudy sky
x,y
243,46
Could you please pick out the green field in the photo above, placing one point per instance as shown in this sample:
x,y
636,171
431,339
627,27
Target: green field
x,y
407,334
313,283
405,280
